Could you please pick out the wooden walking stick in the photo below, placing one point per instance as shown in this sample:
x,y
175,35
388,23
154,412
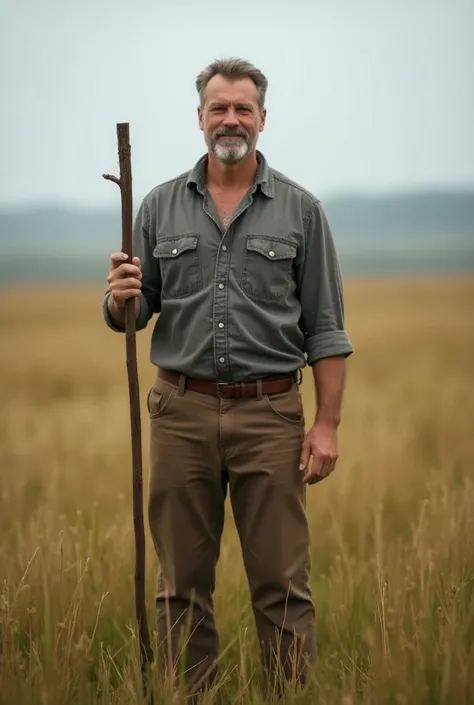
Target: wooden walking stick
x,y
125,184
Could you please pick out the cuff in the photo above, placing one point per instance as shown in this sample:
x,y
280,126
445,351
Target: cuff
x,y
142,320
331,344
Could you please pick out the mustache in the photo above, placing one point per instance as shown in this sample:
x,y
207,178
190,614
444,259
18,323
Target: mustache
x,y
230,132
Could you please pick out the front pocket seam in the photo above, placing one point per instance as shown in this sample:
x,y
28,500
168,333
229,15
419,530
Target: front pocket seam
x,y
282,416
165,404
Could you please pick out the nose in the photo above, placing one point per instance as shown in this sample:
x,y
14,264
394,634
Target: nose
x,y
230,119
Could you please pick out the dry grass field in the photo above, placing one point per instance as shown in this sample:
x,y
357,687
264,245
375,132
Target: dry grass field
x,y
393,528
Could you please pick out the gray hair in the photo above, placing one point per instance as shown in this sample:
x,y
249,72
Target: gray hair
x,y
233,69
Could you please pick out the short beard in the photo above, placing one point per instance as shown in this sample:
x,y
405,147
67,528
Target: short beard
x,y
229,154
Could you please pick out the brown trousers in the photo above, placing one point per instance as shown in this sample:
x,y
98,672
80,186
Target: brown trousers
x,y
199,446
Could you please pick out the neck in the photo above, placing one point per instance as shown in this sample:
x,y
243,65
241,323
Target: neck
x,y
225,176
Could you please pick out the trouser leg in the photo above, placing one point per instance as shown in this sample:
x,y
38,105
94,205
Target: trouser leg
x,y
268,499
186,515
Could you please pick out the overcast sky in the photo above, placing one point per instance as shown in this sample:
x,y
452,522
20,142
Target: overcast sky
x,y
367,95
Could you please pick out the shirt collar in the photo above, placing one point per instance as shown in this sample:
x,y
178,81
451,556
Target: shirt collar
x,y
263,177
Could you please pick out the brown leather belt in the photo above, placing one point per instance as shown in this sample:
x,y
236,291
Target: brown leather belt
x,y
232,390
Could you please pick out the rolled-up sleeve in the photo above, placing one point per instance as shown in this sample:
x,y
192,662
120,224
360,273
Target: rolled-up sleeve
x,y
321,292
150,295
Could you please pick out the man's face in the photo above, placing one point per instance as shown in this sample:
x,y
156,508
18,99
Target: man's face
x,y
231,118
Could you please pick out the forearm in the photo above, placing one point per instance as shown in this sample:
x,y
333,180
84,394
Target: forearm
x,y
329,380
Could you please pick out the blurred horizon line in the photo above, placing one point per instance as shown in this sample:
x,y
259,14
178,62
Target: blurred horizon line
x,y
430,189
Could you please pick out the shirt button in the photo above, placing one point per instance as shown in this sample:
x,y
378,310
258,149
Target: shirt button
x,y
271,253
221,325
222,359
224,247
174,252
221,286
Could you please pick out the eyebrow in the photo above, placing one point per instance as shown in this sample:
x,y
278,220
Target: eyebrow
x,y
220,104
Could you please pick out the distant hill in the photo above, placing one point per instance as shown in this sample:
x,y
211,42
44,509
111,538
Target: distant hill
x,y
430,230
430,213
56,229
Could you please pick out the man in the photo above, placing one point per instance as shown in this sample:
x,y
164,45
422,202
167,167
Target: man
x,y
240,264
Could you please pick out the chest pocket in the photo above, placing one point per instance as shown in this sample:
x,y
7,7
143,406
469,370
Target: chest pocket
x,y
268,267
180,265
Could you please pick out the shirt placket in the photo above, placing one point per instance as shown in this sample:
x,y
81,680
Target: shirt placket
x,y
220,318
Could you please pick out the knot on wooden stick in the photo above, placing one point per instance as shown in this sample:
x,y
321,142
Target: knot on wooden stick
x,y
111,177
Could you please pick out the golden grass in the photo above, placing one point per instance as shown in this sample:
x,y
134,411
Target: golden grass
x,y
393,528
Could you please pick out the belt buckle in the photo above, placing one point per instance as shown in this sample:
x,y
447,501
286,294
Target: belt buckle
x,y
222,384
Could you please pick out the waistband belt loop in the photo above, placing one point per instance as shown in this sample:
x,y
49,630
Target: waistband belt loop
x,y
181,385
259,390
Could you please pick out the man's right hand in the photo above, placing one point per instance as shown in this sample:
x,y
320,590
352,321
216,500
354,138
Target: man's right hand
x,y
124,279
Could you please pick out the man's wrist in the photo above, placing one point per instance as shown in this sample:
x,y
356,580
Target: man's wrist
x,y
325,419
116,310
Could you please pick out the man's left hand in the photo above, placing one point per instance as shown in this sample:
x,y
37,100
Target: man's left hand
x,y
319,447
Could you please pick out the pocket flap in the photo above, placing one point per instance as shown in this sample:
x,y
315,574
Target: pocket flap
x,y
171,247
271,248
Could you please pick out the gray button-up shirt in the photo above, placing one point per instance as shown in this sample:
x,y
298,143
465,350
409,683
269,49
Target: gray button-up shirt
x,y
263,297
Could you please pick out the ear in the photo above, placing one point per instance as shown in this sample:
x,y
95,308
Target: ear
x,y
200,118
263,118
